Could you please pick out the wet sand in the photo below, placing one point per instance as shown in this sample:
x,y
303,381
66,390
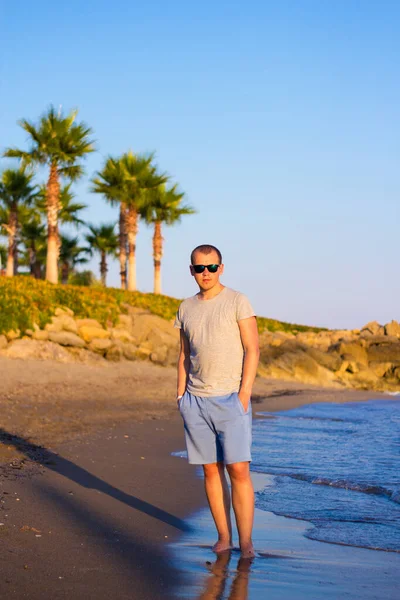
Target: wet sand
x,y
90,496
288,566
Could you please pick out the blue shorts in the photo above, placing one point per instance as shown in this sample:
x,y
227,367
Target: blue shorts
x,y
217,429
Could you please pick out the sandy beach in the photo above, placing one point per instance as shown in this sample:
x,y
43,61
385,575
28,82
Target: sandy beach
x,y
91,498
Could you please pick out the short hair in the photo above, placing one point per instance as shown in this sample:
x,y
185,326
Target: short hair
x,y
206,249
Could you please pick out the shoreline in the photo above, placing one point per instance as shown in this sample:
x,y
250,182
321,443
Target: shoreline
x,y
288,564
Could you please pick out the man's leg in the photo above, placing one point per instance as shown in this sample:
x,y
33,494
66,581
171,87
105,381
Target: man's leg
x,y
219,500
243,504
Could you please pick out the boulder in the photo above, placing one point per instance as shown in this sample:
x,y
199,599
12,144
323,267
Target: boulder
x,y
350,351
89,332
396,373
331,361
3,342
114,354
26,349
380,369
100,345
66,338
88,323
384,352
392,328
143,353
146,326
371,328
124,322
29,332
82,355
40,335
121,335
63,310
291,361
13,334
129,351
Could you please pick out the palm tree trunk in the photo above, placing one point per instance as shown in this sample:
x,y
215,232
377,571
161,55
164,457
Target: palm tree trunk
x,y
64,273
103,268
132,229
53,199
157,255
12,241
122,244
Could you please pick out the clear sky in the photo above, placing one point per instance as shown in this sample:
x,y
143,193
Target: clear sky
x,y
279,119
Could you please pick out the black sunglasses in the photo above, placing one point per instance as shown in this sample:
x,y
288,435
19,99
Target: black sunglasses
x,y
210,268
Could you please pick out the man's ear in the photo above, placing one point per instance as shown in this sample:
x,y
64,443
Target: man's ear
x,y
221,269
191,270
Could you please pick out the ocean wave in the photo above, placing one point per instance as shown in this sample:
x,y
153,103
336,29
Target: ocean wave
x,y
375,490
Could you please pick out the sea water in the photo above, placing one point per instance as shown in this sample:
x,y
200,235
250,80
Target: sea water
x,y
336,466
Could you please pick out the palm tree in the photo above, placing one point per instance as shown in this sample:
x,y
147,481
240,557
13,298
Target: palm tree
x,y
60,143
123,181
140,176
104,240
162,205
16,190
3,257
33,237
70,255
109,183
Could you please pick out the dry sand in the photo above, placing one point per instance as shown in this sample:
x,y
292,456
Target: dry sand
x,y
90,496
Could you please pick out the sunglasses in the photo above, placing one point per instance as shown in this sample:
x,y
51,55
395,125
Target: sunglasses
x,y
210,268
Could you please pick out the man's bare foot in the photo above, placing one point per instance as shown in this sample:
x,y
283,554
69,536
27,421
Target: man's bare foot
x,y
247,551
222,546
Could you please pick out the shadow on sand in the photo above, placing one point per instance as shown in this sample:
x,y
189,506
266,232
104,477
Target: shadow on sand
x,y
140,557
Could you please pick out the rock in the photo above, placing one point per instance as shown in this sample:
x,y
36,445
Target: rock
x,y
63,310
124,322
66,338
26,349
330,361
114,354
85,356
291,361
69,324
121,334
129,351
372,327
396,373
147,326
13,335
55,325
100,345
384,352
3,342
143,353
29,332
380,368
392,328
89,332
350,351
88,323
40,335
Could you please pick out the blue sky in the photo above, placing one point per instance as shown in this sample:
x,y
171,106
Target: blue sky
x,y
280,120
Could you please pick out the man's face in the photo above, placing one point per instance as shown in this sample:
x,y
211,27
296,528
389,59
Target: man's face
x,y
206,280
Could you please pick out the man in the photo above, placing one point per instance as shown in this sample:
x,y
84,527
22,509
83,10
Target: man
x,y
216,371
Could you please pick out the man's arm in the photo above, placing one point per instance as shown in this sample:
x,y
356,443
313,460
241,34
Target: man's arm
x,y
249,335
183,364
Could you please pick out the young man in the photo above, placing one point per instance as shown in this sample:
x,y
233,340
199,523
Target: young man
x,y
216,371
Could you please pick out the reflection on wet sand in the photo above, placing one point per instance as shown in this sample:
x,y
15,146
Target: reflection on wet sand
x,y
218,579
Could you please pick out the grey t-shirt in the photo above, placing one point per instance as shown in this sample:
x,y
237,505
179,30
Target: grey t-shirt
x,y
216,350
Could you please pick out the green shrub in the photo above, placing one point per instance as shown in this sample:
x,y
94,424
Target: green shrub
x,y
25,301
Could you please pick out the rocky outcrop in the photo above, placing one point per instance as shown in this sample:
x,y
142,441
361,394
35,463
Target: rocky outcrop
x,y
368,358
365,359
138,335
